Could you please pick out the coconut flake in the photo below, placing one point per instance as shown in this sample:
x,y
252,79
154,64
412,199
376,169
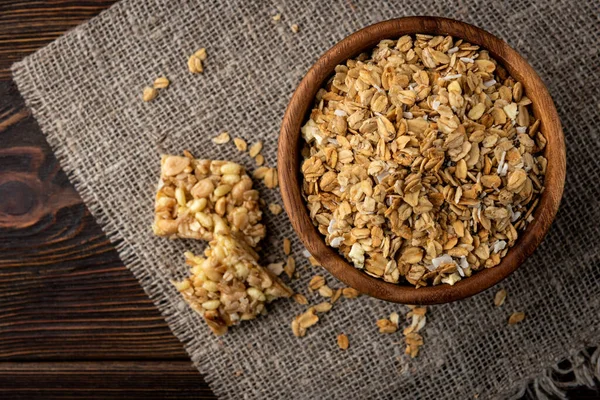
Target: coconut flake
x,y
435,104
502,157
336,242
464,264
340,113
530,218
451,77
333,141
499,245
407,115
489,83
357,255
443,259
521,129
342,189
382,176
330,229
504,169
467,60
306,253
453,50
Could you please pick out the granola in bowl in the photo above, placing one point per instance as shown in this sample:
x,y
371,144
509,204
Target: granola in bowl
x,y
422,160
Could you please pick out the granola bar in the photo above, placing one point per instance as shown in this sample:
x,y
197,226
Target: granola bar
x,y
198,198
228,285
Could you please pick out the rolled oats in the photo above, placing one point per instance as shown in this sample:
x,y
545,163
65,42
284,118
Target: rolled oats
x,y
516,317
422,164
198,198
240,144
161,83
342,341
228,285
500,297
149,94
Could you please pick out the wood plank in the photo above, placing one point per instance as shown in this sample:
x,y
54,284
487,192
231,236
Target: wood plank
x,y
64,292
25,26
102,380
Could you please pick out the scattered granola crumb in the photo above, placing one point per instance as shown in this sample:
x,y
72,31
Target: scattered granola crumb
x,y
221,138
259,159
304,321
161,82
195,61
240,144
342,341
276,268
287,246
500,297
313,261
295,28
300,299
149,94
270,178
325,291
255,149
290,267
412,339
275,209
350,293
386,326
261,172
316,282
276,17
323,307
516,317
336,295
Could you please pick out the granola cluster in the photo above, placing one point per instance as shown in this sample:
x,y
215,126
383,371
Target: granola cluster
x,y
422,160
228,285
199,197
214,201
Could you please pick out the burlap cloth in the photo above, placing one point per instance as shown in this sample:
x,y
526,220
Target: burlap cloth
x,y
85,91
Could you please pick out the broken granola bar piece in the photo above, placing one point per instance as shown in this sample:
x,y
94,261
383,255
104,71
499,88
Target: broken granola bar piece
x,y
228,285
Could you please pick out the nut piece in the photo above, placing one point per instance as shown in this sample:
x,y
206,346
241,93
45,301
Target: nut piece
x,y
500,297
228,285
342,341
295,28
149,94
516,317
161,83
221,138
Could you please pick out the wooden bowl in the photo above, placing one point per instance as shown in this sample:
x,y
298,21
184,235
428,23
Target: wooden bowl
x,y
289,160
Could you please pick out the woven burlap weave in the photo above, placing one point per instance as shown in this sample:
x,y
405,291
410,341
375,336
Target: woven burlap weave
x,y
85,91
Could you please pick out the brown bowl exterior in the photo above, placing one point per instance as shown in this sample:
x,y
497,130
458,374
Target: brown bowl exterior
x,y
290,144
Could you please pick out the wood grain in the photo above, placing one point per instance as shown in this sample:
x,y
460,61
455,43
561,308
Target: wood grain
x,y
290,144
92,380
74,322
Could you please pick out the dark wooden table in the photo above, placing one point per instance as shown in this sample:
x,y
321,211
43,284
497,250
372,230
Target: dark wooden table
x,y
74,322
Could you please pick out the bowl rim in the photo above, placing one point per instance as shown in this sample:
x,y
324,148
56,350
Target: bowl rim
x,y
289,160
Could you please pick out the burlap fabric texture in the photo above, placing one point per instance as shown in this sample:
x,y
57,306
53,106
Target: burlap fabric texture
x,y
85,91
